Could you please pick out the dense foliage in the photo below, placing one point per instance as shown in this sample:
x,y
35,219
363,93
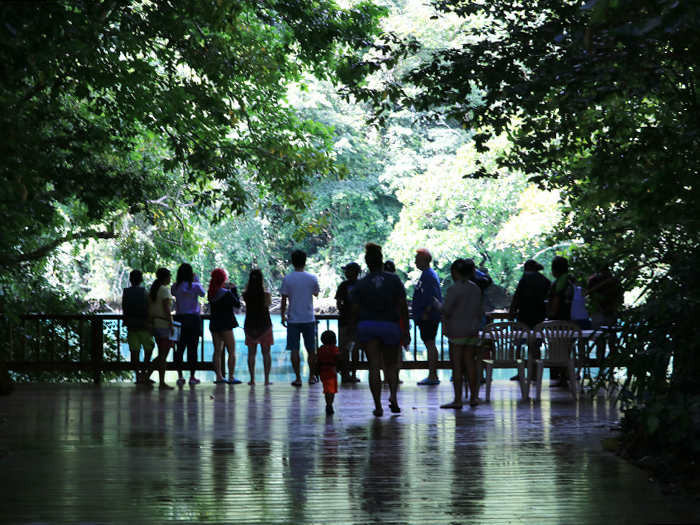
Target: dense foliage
x,y
600,101
118,115
379,183
141,134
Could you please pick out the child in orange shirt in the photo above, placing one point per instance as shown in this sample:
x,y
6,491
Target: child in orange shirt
x,y
327,360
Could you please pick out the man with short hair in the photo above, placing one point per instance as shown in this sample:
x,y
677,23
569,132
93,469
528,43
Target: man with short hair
x,y
298,291
349,348
425,314
136,310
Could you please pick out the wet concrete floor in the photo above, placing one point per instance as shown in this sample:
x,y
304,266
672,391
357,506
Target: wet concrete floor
x,y
118,453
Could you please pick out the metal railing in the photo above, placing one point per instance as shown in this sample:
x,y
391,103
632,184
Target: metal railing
x,y
90,345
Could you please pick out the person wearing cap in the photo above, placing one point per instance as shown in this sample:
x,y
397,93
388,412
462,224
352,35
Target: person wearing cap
x,y
528,305
349,349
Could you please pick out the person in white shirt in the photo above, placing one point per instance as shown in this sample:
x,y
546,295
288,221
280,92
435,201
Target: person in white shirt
x,y
297,311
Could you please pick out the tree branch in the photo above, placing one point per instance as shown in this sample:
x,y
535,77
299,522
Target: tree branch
x,y
45,249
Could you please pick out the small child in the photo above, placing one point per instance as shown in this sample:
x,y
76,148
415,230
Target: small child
x,y
327,359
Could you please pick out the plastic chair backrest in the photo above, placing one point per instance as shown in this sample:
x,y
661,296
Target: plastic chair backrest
x,y
505,338
558,338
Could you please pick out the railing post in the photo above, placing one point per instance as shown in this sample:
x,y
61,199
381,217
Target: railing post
x,y
96,350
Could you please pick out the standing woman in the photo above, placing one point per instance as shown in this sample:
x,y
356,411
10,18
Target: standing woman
x,y
223,298
257,325
160,297
462,311
187,291
379,306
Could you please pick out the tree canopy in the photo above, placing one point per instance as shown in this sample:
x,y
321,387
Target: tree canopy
x,y
151,106
600,100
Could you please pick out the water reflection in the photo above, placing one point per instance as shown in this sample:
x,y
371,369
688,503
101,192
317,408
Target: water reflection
x,y
384,477
298,459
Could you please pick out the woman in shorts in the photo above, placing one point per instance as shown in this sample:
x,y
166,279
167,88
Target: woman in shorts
x,y
379,308
462,312
223,299
160,300
258,325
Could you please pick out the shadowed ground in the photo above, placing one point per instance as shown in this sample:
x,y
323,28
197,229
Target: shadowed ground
x,y
241,454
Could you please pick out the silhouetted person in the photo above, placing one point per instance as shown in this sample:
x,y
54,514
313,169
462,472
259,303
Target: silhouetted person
x,y
462,313
187,290
349,348
223,300
528,304
159,300
298,291
425,315
327,360
258,325
606,295
137,319
529,300
561,295
379,302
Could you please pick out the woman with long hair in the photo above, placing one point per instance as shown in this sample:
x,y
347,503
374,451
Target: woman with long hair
x,y
223,298
160,297
186,291
257,325
379,307
462,313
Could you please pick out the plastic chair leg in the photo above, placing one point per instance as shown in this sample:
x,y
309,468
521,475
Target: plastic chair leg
x,y
540,373
524,381
489,376
572,380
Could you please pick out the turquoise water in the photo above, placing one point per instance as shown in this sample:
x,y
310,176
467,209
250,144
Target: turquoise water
x,y
281,370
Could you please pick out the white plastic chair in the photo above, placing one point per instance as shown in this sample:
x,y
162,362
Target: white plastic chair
x,y
506,338
559,342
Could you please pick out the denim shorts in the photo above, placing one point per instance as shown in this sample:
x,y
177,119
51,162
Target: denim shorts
x,y
307,330
387,332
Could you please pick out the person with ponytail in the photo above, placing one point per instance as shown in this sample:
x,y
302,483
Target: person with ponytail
x,y
223,298
258,325
160,298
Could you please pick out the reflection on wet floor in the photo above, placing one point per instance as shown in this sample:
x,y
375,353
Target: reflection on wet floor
x,y
240,454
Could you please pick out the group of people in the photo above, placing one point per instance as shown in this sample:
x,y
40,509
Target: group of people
x,y
147,316
537,299
373,315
